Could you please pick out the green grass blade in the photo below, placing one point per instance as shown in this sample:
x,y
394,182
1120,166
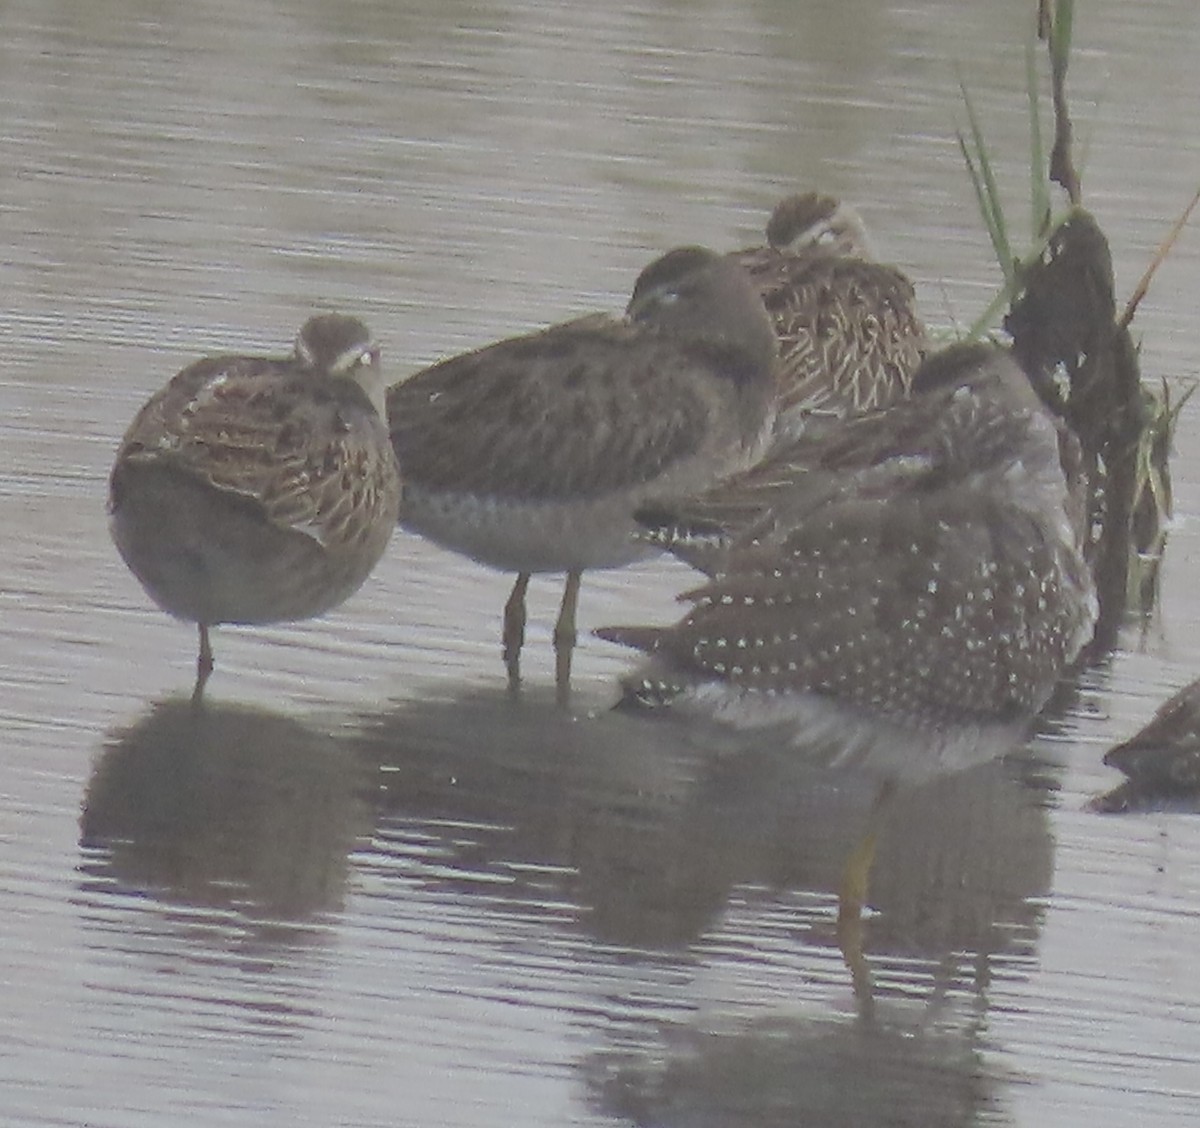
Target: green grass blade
x,y
1060,35
987,191
1039,187
981,198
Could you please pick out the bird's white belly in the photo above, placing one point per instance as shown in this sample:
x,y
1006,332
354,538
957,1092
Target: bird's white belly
x,y
527,536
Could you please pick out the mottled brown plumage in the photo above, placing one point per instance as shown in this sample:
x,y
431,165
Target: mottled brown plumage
x,y
259,489
530,455
849,335
1162,761
922,564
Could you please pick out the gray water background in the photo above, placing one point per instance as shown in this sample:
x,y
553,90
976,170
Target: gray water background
x,y
372,893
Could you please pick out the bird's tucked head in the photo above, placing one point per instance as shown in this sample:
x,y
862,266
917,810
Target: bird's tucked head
x,y
699,295
814,221
334,345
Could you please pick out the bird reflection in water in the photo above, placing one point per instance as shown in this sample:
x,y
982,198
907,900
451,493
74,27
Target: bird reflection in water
x,y
222,807
645,835
780,1072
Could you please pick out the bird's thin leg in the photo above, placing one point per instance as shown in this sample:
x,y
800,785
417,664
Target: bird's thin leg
x,y
852,898
514,630
204,665
564,637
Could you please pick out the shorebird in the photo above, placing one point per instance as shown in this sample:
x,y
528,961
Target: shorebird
x,y
897,598
921,567
530,455
1162,762
256,489
850,338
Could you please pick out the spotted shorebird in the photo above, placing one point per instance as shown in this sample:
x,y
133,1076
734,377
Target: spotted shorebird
x,y
920,567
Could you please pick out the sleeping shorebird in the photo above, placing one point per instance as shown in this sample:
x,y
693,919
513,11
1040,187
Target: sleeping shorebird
x,y
531,455
258,489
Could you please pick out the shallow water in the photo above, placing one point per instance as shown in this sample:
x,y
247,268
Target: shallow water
x,y
368,890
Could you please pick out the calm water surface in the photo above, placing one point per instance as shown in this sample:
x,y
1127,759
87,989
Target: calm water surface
x,y
366,889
